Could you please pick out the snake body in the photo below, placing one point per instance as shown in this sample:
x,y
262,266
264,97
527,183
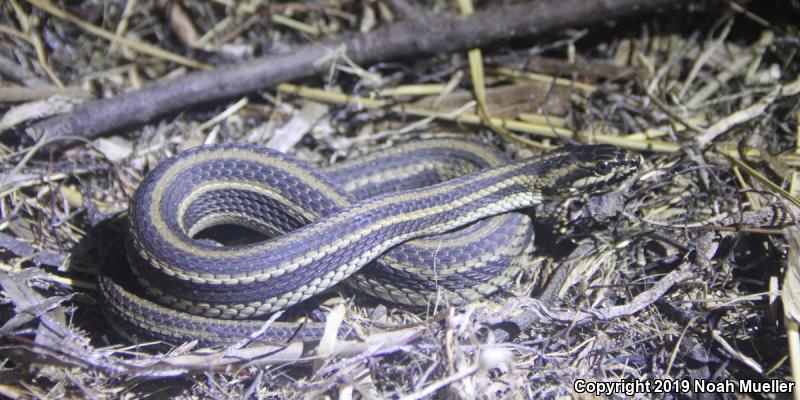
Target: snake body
x,y
405,225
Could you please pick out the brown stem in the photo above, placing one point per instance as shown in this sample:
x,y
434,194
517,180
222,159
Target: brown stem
x,y
407,38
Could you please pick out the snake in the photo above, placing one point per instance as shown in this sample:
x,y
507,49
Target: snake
x,y
440,219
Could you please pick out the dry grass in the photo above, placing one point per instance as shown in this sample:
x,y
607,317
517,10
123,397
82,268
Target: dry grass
x,y
677,274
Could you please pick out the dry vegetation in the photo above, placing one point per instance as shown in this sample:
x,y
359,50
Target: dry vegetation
x,y
677,274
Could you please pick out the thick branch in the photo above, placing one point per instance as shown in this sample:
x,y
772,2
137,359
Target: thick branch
x,y
409,38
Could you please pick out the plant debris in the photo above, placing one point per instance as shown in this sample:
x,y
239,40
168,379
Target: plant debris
x,y
681,273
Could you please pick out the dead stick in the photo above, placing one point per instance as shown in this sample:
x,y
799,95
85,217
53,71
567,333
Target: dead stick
x,y
408,38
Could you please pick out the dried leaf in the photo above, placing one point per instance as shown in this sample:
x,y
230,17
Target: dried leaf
x,y
114,148
507,101
791,281
37,110
287,136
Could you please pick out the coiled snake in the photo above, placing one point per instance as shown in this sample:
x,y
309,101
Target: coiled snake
x,y
431,217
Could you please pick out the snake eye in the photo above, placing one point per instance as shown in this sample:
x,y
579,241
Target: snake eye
x,y
604,168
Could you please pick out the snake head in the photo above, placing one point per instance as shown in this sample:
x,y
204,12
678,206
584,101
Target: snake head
x,y
587,169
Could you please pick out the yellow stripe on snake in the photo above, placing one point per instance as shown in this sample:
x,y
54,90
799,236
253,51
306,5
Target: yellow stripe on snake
x,y
428,218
